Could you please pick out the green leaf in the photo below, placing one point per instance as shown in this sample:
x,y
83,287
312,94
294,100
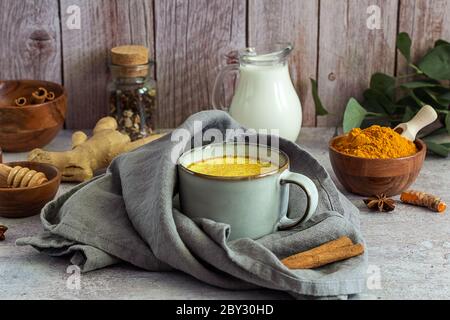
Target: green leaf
x,y
428,96
434,133
387,104
354,115
371,103
435,99
320,109
418,84
416,99
404,45
409,101
444,99
447,145
383,83
408,115
438,149
436,64
440,42
447,122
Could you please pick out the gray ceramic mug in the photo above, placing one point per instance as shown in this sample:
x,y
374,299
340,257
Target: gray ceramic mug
x,y
253,206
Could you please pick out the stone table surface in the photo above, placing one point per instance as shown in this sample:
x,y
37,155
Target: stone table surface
x,y
409,251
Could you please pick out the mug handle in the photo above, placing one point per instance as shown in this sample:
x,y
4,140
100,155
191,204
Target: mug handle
x,y
312,195
217,89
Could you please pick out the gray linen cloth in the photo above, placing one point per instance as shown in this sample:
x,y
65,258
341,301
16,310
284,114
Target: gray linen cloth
x,y
130,214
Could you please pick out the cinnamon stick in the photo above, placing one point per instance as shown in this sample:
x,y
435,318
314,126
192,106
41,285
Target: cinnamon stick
x,y
329,246
333,251
50,96
20,102
39,96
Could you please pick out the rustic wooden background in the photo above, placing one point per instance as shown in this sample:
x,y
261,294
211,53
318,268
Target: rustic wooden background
x,y
188,38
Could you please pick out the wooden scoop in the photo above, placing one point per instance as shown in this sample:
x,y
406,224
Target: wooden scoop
x,y
423,118
20,177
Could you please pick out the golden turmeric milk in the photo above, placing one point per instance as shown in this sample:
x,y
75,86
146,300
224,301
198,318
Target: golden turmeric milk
x,y
375,143
232,167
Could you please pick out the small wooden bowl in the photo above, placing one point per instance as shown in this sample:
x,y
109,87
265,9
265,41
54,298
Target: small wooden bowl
x,y
31,126
26,202
370,177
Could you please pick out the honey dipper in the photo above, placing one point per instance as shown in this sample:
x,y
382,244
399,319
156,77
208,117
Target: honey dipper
x,y
21,177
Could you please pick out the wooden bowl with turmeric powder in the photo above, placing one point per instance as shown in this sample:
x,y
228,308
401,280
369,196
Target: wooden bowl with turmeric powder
x,y
32,112
371,167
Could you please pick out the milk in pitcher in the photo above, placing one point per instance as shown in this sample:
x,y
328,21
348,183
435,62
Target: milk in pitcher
x,y
265,97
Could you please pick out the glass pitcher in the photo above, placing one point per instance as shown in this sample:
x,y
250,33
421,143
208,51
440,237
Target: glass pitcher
x,y
265,97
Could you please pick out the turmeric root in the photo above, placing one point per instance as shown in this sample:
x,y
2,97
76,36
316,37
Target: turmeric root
x,y
89,155
423,200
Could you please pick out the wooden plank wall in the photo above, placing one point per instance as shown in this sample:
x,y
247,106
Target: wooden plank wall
x,y
295,21
349,52
104,24
30,40
426,21
191,39
188,39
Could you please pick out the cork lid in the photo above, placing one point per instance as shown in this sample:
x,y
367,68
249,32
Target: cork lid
x,y
129,55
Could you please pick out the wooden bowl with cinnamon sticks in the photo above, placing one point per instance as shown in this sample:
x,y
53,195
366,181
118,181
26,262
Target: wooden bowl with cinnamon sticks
x,y
32,112
371,177
26,187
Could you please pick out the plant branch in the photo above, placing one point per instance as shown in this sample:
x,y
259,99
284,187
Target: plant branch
x,y
405,76
416,68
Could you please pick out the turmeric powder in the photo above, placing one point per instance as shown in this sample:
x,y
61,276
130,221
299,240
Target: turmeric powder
x,y
375,143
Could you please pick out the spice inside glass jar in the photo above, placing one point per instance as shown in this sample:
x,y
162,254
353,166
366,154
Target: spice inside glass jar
x,y
132,92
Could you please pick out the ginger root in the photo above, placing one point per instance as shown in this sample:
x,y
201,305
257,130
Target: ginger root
x,y
90,154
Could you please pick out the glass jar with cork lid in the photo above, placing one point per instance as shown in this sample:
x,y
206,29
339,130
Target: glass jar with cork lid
x,y
132,91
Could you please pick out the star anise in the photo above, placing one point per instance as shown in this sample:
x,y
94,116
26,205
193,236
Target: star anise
x,y
2,232
381,203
